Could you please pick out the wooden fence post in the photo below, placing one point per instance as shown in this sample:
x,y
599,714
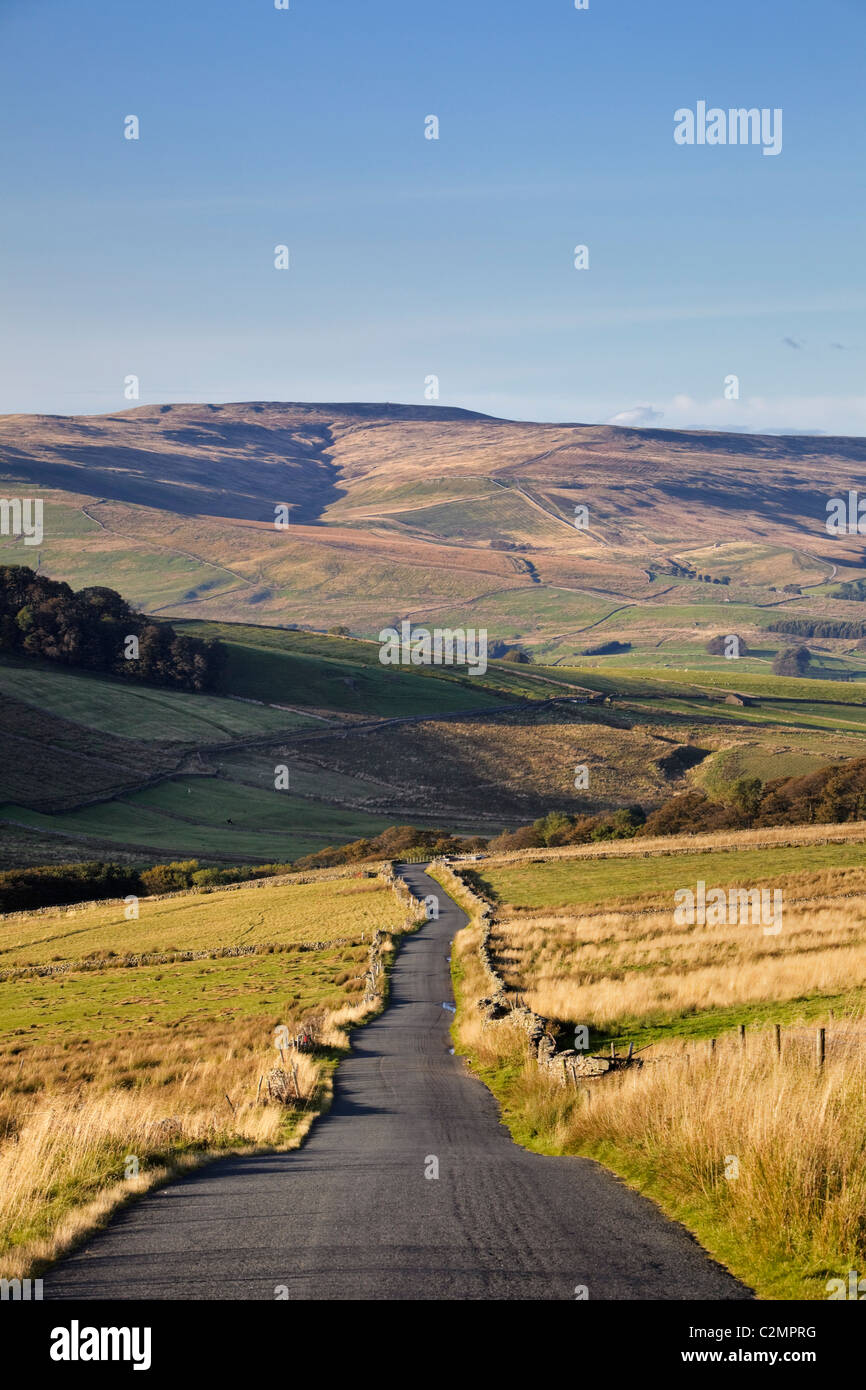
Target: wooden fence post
x,y
743,1034
820,1047
778,1034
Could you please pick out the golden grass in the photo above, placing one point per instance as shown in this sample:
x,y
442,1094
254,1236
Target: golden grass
x,y
793,1214
288,908
71,1118
605,969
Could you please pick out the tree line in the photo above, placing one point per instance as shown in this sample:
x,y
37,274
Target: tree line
x,y
817,627
52,885
832,795
90,629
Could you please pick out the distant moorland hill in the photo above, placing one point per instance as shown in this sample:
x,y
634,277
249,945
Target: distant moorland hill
x,y
558,536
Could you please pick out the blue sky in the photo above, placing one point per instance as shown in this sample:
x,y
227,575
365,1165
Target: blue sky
x,y
413,257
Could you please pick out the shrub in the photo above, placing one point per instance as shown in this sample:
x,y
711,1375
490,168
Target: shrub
x,y
718,645
606,649
793,661
169,878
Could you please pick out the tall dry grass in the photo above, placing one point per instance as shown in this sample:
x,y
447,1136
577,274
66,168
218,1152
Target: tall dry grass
x,y
71,1117
608,968
765,1159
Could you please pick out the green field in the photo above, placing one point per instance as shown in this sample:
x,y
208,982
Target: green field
x,y
112,737
267,827
250,915
148,575
502,514
185,994
765,762
139,711
699,613
726,678
564,882
345,674
515,614
778,714
680,656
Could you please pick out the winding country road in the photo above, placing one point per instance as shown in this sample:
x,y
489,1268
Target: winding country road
x,y
351,1215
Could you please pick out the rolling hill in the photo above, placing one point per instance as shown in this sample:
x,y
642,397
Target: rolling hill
x,y
448,518
444,516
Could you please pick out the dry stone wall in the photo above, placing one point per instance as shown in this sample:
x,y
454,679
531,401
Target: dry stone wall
x,y
498,1006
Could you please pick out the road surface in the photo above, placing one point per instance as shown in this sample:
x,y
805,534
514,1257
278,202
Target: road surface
x,y
351,1214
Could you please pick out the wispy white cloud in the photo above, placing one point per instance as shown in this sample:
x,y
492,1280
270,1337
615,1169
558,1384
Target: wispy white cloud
x,y
639,415
770,414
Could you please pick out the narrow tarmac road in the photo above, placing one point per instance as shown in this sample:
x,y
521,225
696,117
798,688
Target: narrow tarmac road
x,y
351,1214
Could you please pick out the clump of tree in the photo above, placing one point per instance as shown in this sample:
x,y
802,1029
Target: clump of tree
x,y
397,842
688,813
792,661
737,806
502,651
853,589
52,885
720,645
831,795
560,828
606,649
90,630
